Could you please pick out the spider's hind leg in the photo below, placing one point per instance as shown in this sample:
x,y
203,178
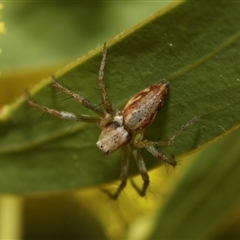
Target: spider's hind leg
x,y
150,146
61,114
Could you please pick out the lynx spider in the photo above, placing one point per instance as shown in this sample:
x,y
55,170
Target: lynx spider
x,y
122,128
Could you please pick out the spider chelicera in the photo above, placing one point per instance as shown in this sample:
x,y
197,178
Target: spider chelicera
x,y
122,128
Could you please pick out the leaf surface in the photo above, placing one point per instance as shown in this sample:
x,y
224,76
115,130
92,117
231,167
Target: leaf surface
x,y
194,45
206,198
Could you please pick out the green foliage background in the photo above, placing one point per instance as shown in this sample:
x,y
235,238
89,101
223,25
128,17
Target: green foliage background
x,y
195,46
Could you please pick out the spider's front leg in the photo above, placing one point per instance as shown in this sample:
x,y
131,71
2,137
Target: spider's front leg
x,y
123,176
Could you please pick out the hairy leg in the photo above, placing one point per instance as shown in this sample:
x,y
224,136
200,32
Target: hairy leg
x,y
123,176
107,105
145,143
62,114
85,102
143,171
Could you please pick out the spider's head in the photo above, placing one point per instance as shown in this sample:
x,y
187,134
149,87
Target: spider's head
x,y
113,136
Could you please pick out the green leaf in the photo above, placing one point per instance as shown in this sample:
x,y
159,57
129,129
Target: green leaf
x,y
206,197
62,32
194,45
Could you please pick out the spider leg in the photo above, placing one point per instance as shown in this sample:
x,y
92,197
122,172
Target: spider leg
x,y
124,164
150,145
107,105
143,171
171,161
168,142
123,176
85,102
61,114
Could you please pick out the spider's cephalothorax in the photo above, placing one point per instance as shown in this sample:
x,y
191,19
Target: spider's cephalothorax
x,y
114,135
122,128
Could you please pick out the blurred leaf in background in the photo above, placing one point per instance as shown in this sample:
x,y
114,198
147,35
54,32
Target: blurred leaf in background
x,y
204,203
44,36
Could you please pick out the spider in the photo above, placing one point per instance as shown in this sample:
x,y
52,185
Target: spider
x,y
122,128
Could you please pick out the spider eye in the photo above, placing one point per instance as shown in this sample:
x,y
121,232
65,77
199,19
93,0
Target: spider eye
x,y
104,150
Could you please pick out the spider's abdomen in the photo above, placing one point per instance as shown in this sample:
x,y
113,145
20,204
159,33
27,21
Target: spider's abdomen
x,y
141,109
113,136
